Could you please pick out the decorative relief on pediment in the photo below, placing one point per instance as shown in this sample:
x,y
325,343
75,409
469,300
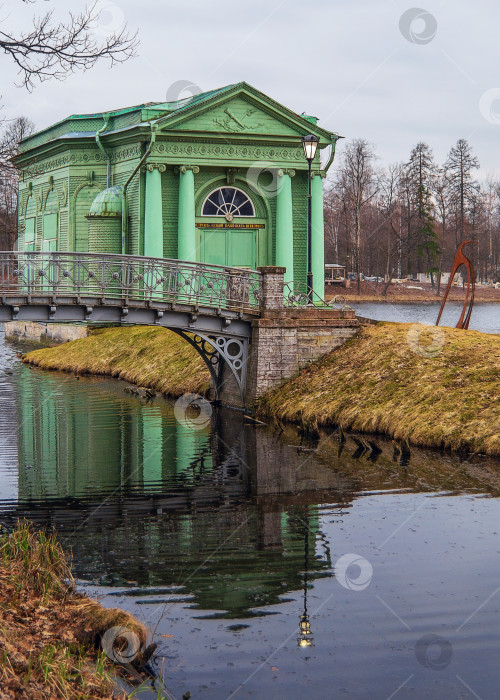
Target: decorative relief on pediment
x,y
230,122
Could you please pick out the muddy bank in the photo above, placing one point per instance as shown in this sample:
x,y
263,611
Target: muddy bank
x,y
51,637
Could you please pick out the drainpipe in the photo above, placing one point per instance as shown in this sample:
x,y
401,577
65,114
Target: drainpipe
x,y
332,154
101,148
124,191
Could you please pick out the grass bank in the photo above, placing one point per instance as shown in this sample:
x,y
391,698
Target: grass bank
x,y
48,634
436,391
155,358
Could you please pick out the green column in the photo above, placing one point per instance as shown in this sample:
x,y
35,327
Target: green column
x,y
186,241
153,215
318,235
284,223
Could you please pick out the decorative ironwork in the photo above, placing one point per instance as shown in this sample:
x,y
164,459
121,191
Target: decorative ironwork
x,y
128,279
219,349
461,259
297,295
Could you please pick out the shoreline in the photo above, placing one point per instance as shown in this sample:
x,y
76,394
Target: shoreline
x,y
434,391
144,356
55,642
409,302
439,392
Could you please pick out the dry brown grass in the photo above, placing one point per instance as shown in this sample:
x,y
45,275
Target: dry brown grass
x,y
376,383
48,634
151,357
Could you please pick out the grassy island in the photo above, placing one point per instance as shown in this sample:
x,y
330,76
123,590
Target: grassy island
x,y
150,357
431,387
440,390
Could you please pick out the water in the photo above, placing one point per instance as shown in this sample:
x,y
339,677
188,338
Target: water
x,y
485,317
220,539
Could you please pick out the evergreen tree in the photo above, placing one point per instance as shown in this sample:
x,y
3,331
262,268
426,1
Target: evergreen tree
x,y
460,164
429,242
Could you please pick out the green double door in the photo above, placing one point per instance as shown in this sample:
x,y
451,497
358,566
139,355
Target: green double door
x,y
234,247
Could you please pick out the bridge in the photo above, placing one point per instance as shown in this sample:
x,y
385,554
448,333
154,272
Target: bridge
x,y
235,318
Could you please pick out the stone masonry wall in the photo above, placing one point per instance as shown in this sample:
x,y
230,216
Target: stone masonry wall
x,y
46,333
287,342
284,340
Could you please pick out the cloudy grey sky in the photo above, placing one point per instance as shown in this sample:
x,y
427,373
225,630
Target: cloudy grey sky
x,y
376,69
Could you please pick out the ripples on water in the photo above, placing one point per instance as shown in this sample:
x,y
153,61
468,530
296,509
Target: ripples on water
x,y
220,539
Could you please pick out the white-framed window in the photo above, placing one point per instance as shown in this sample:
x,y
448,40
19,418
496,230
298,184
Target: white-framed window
x,y
228,202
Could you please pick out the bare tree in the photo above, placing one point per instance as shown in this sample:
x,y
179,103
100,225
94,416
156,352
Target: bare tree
x,y
491,204
440,190
9,145
51,49
389,208
358,184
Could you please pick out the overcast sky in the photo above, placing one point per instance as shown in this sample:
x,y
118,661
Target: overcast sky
x,y
376,69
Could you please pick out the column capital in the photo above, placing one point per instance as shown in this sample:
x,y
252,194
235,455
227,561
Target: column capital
x,y
285,171
184,168
320,173
161,167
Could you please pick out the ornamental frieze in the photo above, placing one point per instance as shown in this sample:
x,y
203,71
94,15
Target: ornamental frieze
x,y
125,153
43,166
228,151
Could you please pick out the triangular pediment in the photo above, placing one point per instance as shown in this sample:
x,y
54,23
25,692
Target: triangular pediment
x,y
242,111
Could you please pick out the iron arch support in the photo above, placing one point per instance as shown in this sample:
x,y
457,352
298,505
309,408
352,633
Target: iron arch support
x,y
219,349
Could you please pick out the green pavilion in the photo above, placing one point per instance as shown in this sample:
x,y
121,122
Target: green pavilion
x,y
219,178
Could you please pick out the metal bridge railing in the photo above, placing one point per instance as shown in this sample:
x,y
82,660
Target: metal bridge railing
x,y
128,279
297,295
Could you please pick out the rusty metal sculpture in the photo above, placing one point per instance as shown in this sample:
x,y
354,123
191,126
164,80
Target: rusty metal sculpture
x,y
461,259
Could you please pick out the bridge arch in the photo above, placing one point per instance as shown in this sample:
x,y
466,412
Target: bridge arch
x,y
217,350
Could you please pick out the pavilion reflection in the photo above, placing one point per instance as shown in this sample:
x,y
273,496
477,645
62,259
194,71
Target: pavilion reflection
x,y
226,519
216,515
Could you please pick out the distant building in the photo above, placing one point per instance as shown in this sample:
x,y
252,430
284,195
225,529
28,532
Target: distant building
x,y
445,276
218,178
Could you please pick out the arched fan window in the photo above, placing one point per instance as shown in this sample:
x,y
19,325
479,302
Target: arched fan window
x,y
228,202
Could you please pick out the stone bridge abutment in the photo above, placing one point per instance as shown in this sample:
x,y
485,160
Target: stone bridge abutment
x,y
285,340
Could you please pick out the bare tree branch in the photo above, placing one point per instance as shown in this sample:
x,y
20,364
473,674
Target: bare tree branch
x,y
53,50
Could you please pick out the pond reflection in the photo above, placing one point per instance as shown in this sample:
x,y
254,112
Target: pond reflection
x,y
226,540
